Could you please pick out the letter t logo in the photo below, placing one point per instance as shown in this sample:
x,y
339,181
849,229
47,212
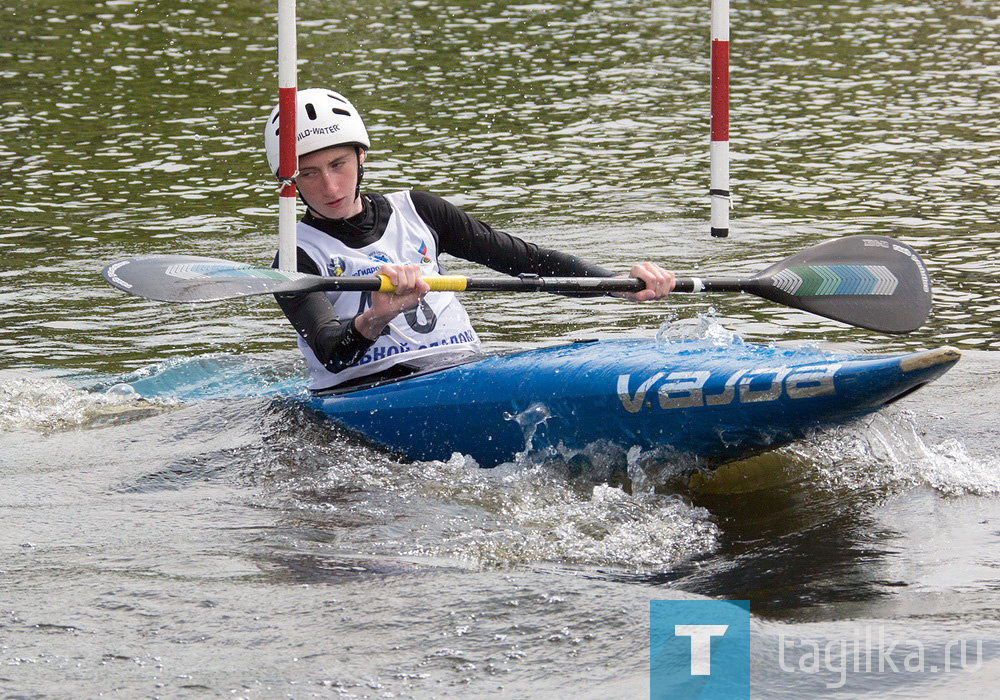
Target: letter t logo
x,y
701,645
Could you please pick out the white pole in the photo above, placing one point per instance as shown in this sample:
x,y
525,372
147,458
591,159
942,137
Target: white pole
x,y
288,161
719,184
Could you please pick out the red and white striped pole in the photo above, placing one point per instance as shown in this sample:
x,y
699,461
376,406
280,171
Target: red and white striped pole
x,y
288,162
719,184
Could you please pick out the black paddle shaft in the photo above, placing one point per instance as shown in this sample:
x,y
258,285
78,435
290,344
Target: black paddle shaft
x,y
869,281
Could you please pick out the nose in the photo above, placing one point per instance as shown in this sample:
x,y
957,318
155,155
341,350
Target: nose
x,y
328,183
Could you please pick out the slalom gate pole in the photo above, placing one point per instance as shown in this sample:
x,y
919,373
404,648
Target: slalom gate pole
x,y
719,184
288,161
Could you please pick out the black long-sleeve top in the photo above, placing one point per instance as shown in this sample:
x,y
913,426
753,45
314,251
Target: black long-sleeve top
x,y
337,342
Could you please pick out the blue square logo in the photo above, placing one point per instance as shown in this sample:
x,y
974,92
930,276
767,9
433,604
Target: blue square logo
x,y
699,649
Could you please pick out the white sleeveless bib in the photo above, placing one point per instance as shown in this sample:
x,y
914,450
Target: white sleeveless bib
x,y
438,325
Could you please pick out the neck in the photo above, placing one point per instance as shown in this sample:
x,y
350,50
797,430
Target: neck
x,y
362,229
350,225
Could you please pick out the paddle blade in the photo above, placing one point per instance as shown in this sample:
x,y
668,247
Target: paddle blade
x,y
188,278
869,281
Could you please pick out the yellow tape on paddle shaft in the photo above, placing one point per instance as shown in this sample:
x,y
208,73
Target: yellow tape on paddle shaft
x,y
440,283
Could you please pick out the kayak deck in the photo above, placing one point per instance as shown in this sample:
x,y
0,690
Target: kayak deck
x,y
695,397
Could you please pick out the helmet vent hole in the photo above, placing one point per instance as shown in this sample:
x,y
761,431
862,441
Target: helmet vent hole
x,y
311,111
342,112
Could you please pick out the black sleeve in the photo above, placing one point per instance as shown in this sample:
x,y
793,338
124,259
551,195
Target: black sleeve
x,y
336,343
460,235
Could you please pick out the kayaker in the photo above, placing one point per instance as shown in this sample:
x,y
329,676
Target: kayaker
x,y
352,338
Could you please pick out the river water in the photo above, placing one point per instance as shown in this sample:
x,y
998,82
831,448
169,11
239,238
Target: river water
x,y
245,548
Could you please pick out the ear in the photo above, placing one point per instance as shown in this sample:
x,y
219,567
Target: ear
x,y
362,155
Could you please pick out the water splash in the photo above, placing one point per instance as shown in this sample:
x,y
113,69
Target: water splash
x,y
651,470
529,419
34,402
43,404
519,515
603,527
889,455
454,512
212,377
706,326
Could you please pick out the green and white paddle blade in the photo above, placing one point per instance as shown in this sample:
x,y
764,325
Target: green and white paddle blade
x,y
189,278
868,281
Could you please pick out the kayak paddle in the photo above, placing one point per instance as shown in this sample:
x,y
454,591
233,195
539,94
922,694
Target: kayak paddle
x,y
872,282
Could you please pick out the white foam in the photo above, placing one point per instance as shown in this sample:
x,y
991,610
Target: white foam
x,y
886,451
42,404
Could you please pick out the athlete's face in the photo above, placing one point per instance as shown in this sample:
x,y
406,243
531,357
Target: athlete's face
x,y
328,180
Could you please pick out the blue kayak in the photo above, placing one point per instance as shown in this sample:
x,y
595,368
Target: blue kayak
x,y
715,402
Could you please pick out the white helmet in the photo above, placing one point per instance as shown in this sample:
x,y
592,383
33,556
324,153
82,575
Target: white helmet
x,y
323,119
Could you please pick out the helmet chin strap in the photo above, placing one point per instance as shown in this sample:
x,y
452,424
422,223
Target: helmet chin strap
x,y
361,173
